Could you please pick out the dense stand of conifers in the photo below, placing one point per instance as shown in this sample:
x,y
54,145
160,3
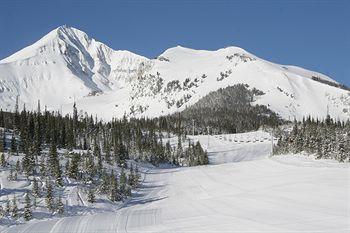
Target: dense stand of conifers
x,y
229,110
327,139
115,141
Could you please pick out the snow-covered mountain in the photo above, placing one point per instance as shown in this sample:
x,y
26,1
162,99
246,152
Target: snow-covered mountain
x,y
67,65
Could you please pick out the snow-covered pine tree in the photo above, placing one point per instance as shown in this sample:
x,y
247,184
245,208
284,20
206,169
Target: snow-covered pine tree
x,y
14,208
7,209
122,182
66,167
18,167
28,163
113,188
74,166
90,169
13,144
3,161
2,141
49,199
341,152
107,153
36,190
105,182
27,213
179,150
54,165
60,205
42,167
37,132
75,122
97,154
91,195
10,176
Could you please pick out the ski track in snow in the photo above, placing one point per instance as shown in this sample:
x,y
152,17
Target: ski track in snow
x,y
242,191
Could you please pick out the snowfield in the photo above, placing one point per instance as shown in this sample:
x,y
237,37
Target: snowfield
x,y
243,190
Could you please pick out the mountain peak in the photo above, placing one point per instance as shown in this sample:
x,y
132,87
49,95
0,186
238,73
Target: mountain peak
x,y
61,34
70,32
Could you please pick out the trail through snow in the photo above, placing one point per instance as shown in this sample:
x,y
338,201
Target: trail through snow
x,y
244,191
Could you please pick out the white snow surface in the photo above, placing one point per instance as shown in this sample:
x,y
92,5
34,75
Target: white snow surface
x,y
242,191
67,65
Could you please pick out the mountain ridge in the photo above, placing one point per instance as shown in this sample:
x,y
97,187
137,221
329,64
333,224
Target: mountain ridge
x,y
67,65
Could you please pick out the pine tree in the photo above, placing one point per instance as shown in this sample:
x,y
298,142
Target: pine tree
x,y
128,191
2,143
60,205
108,153
10,176
75,122
137,174
91,195
38,132
341,148
90,167
131,178
14,209
13,144
105,183
122,182
179,150
74,166
28,163
18,167
66,167
42,167
49,197
2,212
27,214
54,165
113,195
17,119
70,137
97,153
7,210
3,161
35,189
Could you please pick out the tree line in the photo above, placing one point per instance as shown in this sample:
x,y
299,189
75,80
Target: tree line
x,y
327,138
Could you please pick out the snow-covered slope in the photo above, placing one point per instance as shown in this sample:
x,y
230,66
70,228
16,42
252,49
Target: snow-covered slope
x,y
67,65
244,192
63,66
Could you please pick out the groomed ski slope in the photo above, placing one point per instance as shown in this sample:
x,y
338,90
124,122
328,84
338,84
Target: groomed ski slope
x,y
245,191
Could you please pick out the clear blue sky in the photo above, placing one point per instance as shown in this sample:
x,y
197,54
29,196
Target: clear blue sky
x,y
310,34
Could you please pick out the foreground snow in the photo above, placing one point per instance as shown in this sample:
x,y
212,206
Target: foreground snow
x,y
278,194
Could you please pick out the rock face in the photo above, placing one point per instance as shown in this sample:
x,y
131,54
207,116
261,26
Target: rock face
x,y
66,66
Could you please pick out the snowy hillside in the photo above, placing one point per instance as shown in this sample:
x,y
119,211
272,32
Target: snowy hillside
x,y
67,65
62,66
246,191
